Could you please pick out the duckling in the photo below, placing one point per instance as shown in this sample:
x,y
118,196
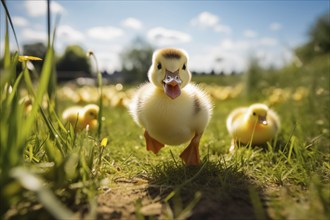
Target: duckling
x,y
171,109
27,103
255,124
82,117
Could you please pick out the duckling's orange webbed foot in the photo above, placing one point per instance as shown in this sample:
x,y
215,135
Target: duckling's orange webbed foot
x,y
190,155
152,144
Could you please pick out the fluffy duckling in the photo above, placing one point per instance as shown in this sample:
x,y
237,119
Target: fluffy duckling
x,y
256,124
171,109
81,117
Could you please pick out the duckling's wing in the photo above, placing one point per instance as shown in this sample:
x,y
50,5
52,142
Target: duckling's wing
x,y
137,101
202,106
233,117
274,119
70,114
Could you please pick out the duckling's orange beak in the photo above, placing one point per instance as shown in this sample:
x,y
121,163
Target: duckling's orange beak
x,y
172,84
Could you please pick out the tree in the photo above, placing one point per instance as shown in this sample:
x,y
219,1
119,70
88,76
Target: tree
x,y
320,32
37,50
319,41
74,59
136,60
253,78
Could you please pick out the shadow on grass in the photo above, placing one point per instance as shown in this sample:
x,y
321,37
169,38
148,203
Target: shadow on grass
x,y
226,193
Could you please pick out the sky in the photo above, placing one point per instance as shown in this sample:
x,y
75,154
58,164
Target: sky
x,y
218,35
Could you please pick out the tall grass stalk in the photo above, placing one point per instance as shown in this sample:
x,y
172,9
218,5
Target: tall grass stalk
x,y
100,89
11,23
51,89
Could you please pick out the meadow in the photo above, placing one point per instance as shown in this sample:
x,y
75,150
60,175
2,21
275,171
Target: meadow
x,y
49,171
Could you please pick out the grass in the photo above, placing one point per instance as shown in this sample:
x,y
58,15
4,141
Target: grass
x,y
49,171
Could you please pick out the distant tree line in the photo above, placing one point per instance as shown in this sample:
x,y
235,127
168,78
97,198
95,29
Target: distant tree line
x,y
319,40
136,60
136,57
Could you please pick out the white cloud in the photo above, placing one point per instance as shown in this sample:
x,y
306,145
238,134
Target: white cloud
x,y
250,33
267,41
275,58
107,54
19,21
163,36
229,44
132,23
105,33
233,54
205,19
68,33
34,35
222,28
108,60
275,26
218,59
39,8
209,20
260,53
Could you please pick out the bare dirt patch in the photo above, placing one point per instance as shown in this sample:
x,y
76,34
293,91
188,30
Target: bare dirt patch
x,y
127,200
229,199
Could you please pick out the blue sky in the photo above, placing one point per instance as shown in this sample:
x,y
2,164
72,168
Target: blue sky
x,y
208,30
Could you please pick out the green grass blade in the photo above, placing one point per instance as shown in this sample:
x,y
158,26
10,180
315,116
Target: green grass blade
x,y
100,115
48,22
14,90
187,211
257,204
7,49
10,21
43,84
291,147
51,88
27,79
45,196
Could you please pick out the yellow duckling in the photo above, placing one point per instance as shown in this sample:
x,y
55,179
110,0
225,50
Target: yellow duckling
x,y
27,102
171,109
82,117
256,124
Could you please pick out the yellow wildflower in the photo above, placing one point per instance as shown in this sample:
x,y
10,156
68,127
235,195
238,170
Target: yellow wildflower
x,y
104,142
26,58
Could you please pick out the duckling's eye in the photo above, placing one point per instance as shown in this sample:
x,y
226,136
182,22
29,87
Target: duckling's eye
x,y
254,113
184,67
159,66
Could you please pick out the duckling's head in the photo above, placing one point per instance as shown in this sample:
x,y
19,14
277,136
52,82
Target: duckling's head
x,y
169,71
257,113
90,112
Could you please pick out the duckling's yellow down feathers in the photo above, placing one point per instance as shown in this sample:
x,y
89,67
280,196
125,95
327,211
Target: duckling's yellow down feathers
x,y
82,117
255,124
171,109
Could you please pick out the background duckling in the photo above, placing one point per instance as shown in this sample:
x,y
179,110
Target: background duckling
x,y
256,124
171,109
26,101
81,117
